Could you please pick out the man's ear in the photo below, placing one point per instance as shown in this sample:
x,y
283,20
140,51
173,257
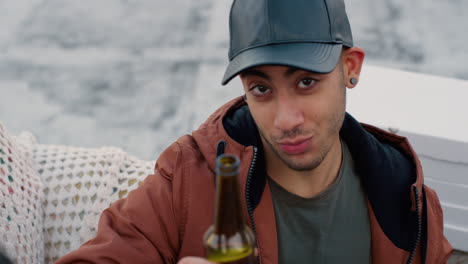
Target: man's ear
x,y
352,59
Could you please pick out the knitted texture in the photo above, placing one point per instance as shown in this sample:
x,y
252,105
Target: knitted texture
x,y
21,196
51,196
79,184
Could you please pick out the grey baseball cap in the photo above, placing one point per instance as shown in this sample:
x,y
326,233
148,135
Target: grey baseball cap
x,y
306,34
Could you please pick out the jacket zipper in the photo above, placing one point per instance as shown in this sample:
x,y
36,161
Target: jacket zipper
x,y
418,237
247,197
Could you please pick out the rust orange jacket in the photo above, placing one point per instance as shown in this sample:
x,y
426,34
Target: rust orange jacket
x,y
165,218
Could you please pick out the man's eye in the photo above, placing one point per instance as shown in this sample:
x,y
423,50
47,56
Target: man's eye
x,y
306,83
260,90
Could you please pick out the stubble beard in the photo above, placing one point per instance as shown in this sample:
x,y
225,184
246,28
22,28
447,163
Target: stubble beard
x,y
335,125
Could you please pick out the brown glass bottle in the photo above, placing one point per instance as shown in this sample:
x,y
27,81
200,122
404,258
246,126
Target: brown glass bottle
x,y
229,240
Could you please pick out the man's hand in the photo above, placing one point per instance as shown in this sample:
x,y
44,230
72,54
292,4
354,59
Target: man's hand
x,y
194,260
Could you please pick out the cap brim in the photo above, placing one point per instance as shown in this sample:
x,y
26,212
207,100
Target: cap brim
x,y
314,57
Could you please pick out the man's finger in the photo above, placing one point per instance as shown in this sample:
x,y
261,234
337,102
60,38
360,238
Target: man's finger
x,y
194,260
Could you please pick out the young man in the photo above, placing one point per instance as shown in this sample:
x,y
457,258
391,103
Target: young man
x,y
319,187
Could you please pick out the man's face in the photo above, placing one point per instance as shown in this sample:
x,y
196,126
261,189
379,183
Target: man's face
x,y
299,114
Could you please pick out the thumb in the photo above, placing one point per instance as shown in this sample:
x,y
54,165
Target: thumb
x,y
194,260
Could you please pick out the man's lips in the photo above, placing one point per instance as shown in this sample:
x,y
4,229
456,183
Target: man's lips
x,y
297,146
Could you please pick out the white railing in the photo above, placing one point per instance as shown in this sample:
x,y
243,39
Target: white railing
x,y
433,113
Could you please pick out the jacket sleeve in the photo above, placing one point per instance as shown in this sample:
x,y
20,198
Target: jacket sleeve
x,y
143,227
438,248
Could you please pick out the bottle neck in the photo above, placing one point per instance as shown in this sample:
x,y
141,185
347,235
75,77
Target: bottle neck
x,y
229,215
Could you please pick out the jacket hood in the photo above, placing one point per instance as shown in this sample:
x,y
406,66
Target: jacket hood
x,y
386,163
212,132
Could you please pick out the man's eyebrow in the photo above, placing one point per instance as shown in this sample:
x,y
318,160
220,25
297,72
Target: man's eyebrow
x,y
254,72
291,71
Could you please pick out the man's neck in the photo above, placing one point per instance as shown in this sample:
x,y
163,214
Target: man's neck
x,y
309,183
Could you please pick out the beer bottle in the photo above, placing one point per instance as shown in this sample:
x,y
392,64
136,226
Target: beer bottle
x,y
229,240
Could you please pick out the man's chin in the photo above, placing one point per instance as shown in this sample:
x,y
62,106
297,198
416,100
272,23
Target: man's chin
x,y
301,164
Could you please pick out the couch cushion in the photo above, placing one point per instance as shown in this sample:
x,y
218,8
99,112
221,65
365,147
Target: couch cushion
x,y
79,183
21,214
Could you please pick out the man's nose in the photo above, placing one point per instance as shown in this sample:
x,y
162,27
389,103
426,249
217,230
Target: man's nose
x,y
289,115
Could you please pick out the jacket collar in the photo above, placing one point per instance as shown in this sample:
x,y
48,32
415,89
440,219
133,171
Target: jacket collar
x,y
386,163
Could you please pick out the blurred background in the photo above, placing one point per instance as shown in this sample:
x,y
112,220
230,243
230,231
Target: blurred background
x,y
137,74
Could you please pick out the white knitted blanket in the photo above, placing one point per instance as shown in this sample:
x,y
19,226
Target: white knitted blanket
x,y
51,196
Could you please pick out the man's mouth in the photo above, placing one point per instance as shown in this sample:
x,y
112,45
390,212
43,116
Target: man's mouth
x,y
296,146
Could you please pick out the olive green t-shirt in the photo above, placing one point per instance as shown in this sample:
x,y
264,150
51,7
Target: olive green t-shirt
x,y
332,227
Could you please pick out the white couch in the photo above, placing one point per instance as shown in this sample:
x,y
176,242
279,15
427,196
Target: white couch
x,y
51,196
